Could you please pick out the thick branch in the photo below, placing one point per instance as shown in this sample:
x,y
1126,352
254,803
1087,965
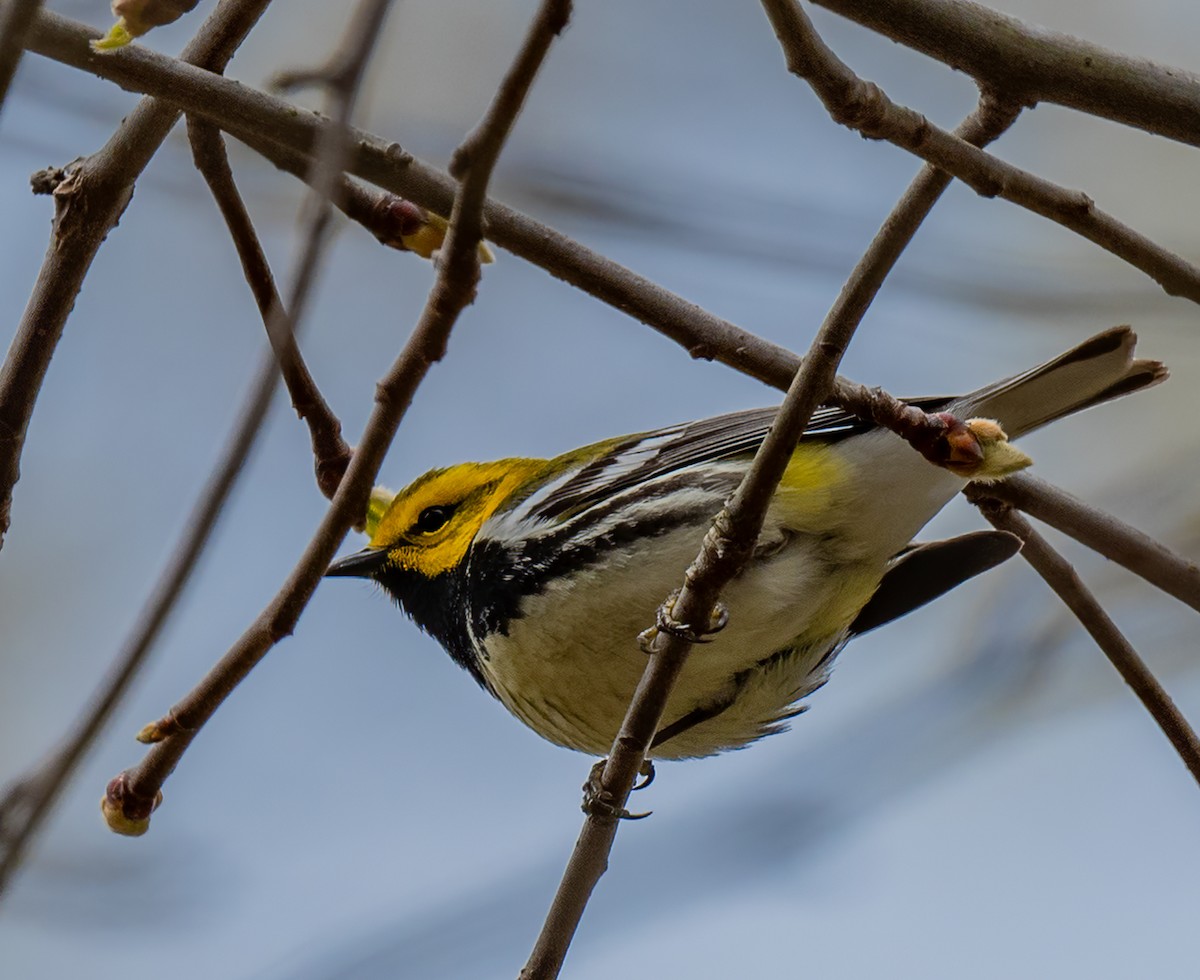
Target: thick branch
x,y
863,106
88,204
1061,577
1101,532
133,794
1036,65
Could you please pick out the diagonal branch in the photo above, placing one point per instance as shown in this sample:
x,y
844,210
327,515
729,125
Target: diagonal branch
x,y
1062,578
16,17
27,802
393,220
1103,533
128,803
257,118
730,542
133,794
88,204
863,106
1037,65
331,454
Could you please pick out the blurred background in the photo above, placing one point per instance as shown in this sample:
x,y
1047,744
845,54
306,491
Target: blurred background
x,y
974,794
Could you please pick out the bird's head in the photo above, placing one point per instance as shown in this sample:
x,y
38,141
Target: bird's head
x,y
428,526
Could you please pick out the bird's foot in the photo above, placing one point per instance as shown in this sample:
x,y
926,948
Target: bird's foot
x,y
599,802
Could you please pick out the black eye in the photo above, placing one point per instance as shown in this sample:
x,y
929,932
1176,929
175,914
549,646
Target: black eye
x,y
433,519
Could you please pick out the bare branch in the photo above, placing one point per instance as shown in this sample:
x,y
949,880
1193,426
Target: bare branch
x,y
133,794
28,800
863,106
730,541
331,454
393,220
1062,578
1033,64
1101,532
255,117
15,20
88,204
107,185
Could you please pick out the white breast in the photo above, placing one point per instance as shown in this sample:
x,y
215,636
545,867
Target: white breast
x,y
569,665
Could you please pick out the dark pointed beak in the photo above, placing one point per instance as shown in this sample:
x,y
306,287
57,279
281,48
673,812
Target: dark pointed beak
x,y
361,564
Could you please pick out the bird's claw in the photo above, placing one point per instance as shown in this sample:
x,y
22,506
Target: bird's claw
x,y
599,802
665,622
647,774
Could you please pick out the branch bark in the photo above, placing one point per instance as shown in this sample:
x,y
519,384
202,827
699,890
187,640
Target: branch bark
x,y
1062,578
259,119
863,106
15,20
1103,533
331,454
28,800
1033,64
88,204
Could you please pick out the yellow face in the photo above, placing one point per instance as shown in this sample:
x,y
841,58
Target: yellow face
x,y
430,524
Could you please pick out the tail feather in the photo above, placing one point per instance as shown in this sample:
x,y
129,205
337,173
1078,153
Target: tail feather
x,y
1096,371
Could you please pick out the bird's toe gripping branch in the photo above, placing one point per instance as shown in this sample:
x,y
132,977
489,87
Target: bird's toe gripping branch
x,y
599,802
665,622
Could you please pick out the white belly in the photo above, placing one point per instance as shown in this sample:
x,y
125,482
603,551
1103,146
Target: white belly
x,y
569,666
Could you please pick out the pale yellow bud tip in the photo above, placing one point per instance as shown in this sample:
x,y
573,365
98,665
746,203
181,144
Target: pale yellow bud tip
x,y
1000,457
121,824
432,235
117,37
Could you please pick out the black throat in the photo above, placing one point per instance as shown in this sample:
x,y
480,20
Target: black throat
x,y
439,606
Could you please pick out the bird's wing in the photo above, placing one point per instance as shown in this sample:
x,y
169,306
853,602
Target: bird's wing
x,y
926,571
640,458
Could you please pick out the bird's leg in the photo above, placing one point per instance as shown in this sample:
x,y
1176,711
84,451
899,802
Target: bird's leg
x,y
599,802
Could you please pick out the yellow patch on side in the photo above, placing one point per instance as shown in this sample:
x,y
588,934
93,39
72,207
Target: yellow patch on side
x,y
855,588
813,484
473,492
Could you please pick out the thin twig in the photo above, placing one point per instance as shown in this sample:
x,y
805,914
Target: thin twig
x,y
731,540
331,453
1062,578
863,106
127,804
86,213
1038,65
28,800
133,794
991,118
1103,533
88,204
16,16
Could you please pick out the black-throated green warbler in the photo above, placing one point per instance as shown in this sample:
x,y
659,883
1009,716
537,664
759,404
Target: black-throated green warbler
x,y
538,575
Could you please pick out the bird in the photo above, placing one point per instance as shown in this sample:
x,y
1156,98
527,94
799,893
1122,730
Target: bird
x,y
538,575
